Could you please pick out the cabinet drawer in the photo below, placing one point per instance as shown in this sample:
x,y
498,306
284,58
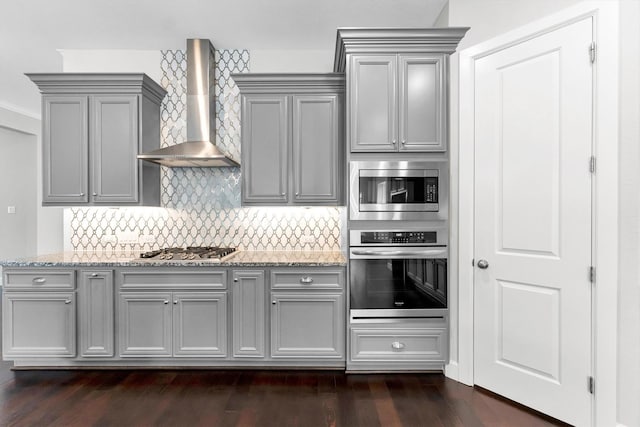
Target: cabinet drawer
x,y
172,279
420,344
40,279
307,279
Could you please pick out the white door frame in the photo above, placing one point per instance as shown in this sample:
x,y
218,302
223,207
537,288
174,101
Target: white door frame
x,y
605,203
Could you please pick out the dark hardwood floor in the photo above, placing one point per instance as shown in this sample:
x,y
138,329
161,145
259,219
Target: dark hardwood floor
x,y
248,398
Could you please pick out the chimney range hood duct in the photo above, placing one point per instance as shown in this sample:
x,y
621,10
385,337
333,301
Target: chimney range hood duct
x,y
199,150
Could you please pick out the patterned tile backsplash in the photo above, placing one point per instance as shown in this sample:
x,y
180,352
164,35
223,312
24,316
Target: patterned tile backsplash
x,y
201,206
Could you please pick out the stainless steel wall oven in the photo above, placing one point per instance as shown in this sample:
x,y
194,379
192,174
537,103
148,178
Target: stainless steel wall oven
x,y
398,273
398,190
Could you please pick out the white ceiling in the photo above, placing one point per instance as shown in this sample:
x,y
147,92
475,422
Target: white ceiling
x,y
32,30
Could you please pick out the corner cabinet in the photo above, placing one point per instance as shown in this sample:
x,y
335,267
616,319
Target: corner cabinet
x,y
397,87
93,127
292,138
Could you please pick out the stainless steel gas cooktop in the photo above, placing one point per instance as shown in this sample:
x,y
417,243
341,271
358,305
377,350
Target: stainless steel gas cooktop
x,y
190,253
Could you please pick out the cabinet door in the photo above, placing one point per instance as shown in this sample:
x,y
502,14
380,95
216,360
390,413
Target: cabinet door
x,y
39,324
316,137
422,109
265,141
248,293
372,103
114,147
65,149
200,324
96,314
144,327
306,325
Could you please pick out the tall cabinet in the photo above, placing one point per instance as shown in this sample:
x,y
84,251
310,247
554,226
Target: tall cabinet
x,y
292,138
93,127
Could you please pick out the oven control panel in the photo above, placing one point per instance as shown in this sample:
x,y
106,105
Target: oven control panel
x,y
395,237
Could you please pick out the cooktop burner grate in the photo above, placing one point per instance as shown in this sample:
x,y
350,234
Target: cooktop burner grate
x,y
189,253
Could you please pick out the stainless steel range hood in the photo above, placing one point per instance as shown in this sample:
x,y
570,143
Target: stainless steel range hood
x,y
200,149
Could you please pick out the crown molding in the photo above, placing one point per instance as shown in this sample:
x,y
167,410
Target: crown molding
x,y
394,40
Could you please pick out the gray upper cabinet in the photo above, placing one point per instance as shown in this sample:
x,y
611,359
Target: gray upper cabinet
x,y
94,126
316,140
397,86
291,138
372,104
265,148
397,103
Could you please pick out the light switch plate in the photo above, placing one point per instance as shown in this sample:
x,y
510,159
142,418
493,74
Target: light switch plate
x,y
11,209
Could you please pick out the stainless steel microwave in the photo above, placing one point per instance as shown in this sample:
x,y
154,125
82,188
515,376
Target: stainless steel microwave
x,y
402,190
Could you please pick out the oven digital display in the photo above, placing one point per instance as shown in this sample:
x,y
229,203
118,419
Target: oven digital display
x,y
399,237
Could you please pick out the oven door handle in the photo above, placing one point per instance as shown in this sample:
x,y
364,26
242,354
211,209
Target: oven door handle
x,y
420,253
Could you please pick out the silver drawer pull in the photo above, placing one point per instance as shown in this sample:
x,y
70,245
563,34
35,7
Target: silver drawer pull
x,y
175,301
397,345
306,280
274,302
67,301
39,280
165,302
94,274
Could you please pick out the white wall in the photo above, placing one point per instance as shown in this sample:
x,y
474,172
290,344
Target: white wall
x,y
629,287
112,61
291,61
18,159
489,18
48,220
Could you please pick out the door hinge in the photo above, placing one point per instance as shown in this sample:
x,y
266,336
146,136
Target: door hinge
x,y
592,164
592,52
592,274
592,385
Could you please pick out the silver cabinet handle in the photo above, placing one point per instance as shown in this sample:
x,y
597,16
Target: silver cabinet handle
x,y
94,274
39,280
235,280
404,142
282,194
165,302
67,301
394,142
82,194
175,302
306,280
273,302
94,194
297,194
483,264
397,345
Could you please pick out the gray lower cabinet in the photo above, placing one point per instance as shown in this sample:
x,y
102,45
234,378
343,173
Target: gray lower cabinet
x,y
307,325
93,127
39,314
96,313
307,313
166,324
292,139
248,308
398,344
39,324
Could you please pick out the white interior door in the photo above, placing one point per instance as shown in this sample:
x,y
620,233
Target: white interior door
x,y
533,139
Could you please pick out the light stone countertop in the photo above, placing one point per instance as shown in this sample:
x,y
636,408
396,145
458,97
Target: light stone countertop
x,y
130,259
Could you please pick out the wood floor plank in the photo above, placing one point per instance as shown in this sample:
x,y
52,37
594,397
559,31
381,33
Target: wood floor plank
x,y
251,398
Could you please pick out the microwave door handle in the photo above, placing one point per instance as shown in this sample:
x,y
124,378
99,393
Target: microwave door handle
x,y
438,253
